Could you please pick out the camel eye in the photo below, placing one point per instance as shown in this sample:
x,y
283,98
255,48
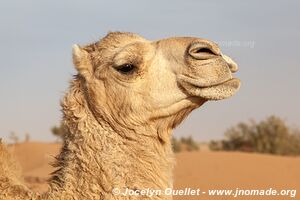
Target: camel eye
x,y
126,68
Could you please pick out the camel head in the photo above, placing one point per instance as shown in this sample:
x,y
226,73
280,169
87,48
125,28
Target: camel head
x,y
131,82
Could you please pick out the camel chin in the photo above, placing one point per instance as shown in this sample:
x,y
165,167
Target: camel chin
x,y
219,91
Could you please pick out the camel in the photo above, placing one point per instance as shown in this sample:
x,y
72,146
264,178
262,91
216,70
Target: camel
x,y
121,107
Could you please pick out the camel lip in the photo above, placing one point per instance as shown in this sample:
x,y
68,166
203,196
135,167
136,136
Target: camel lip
x,y
195,83
219,91
218,84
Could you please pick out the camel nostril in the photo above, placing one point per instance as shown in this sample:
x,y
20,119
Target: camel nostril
x,y
203,51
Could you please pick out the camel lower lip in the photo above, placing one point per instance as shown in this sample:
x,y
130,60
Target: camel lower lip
x,y
201,83
218,84
213,92
213,85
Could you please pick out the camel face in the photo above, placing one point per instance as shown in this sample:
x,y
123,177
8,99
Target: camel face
x,y
130,80
201,69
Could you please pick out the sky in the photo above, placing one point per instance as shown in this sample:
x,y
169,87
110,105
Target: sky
x,y
263,37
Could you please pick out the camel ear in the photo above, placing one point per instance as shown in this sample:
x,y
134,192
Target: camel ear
x,y
82,62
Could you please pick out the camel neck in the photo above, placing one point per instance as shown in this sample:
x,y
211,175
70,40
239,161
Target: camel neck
x,y
95,159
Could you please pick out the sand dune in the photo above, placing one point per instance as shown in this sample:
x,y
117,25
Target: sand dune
x,y
203,170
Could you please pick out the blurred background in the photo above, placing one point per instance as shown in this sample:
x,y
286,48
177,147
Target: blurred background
x,y
36,39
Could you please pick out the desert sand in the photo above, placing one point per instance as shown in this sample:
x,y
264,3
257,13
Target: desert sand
x,y
202,170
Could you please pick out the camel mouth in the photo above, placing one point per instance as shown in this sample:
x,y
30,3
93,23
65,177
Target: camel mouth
x,y
216,91
218,84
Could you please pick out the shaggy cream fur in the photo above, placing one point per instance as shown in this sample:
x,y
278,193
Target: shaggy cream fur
x,y
120,110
